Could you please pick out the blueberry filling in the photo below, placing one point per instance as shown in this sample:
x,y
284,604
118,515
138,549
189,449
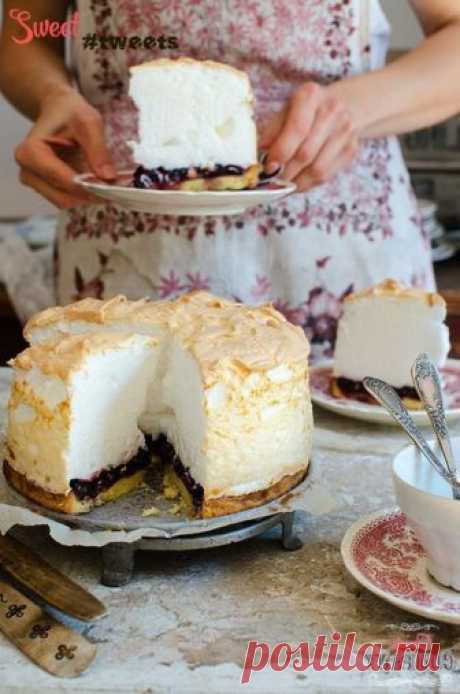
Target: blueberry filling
x,y
264,176
165,451
356,390
90,489
160,178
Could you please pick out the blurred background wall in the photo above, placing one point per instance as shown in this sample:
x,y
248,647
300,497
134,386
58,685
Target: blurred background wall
x,y
406,29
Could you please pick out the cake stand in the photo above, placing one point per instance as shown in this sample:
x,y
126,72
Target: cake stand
x,y
118,557
172,531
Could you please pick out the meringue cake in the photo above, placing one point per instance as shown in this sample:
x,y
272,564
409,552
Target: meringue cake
x,y
381,332
216,390
196,129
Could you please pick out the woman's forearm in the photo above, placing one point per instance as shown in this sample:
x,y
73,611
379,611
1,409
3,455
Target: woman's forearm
x,y
415,91
33,74
30,72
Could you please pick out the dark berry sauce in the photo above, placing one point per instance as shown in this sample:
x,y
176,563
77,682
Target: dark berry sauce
x,y
89,489
356,391
160,447
160,178
165,451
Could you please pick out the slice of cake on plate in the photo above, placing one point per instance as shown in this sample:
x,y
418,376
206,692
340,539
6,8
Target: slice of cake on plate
x,y
196,128
216,389
380,334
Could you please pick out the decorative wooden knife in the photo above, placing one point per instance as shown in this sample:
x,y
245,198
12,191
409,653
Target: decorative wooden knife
x,y
51,645
48,583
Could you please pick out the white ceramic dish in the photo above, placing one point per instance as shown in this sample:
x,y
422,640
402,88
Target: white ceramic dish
x,y
427,208
426,500
321,374
435,231
383,554
444,251
38,231
178,203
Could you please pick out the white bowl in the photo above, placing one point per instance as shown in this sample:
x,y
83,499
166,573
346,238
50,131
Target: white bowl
x,y
426,500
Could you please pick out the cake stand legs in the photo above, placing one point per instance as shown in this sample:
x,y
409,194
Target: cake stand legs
x,y
117,563
289,540
118,557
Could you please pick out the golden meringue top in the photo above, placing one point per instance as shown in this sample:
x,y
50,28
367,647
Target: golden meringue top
x,y
183,60
214,329
61,356
101,312
393,288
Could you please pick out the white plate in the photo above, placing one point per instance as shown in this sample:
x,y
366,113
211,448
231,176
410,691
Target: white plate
x,y
443,252
320,376
38,231
427,208
435,231
382,553
187,203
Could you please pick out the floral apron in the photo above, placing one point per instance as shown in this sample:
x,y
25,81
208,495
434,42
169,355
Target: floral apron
x,y
304,253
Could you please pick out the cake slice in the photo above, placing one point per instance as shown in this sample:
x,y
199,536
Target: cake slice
x,y
73,432
223,400
196,129
380,334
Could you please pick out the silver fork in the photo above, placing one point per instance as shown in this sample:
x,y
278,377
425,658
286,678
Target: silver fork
x,y
390,400
427,383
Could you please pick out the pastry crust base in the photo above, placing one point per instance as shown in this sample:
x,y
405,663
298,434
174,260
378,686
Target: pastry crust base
x,y
338,393
248,179
69,503
225,505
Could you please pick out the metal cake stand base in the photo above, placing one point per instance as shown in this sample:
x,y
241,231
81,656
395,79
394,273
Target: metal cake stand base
x,y
118,558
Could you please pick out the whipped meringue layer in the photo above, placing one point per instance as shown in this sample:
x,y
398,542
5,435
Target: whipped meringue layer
x,y
75,406
226,383
384,329
192,114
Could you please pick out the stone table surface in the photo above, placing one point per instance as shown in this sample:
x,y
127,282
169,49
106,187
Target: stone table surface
x,y
184,621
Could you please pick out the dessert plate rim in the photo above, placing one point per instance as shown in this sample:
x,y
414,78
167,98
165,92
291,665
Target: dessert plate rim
x,y
375,414
445,602
184,202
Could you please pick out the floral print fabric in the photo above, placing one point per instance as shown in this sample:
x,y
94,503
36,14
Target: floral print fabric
x,y
304,253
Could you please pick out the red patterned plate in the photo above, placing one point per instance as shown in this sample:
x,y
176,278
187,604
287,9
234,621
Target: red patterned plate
x,y
320,379
383,554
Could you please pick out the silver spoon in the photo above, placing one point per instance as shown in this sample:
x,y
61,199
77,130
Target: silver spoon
x,y
428,386
390,400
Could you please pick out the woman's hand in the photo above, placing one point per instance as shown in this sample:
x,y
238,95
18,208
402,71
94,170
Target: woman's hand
x,y
312,138
67,138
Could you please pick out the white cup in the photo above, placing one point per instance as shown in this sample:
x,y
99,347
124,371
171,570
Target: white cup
x,y
426,500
